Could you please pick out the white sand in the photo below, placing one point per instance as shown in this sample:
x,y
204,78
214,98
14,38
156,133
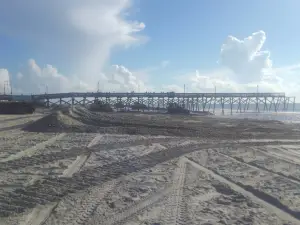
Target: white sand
x,y
91,178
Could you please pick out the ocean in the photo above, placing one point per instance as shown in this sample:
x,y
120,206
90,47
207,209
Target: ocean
x,y
287,117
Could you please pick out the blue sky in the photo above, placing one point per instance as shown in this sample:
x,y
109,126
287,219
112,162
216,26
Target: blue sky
x,y
190,34
73,45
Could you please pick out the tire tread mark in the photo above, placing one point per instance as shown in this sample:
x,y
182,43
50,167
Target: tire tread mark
x,y
174,214
99,175
261,197
32,150
121,217
252,164
73,152
89,203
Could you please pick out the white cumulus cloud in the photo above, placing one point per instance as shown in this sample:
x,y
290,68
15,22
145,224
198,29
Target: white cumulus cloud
x,y
80,33
244,66
34,79
245,57
125,80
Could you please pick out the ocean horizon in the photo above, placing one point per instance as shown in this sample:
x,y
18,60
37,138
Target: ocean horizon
x,y
288,117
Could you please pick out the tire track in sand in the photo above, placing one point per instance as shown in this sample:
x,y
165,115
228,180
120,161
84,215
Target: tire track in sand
x,y
88,204
283,154
247,193
174,207
255,166
92,200
41,213
32,150
81,159
39,159
53,189
174,212
121,217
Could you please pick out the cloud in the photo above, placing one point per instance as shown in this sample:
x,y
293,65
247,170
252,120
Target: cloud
x,y
244,66
81,33
206,81
4,81
33,79
125,80
245,57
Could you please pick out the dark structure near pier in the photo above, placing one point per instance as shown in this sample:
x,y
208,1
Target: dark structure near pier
x,y
195,102
12,107
175,108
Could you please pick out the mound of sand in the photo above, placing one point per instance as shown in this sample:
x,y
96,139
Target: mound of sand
x,y
84,121
54,122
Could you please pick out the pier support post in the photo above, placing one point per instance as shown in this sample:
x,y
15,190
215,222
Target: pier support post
x,y
294,104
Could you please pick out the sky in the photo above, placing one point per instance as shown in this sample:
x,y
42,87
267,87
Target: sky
x,y
150,45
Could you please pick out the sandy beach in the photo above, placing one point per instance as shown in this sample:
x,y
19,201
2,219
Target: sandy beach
x,y
80,167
